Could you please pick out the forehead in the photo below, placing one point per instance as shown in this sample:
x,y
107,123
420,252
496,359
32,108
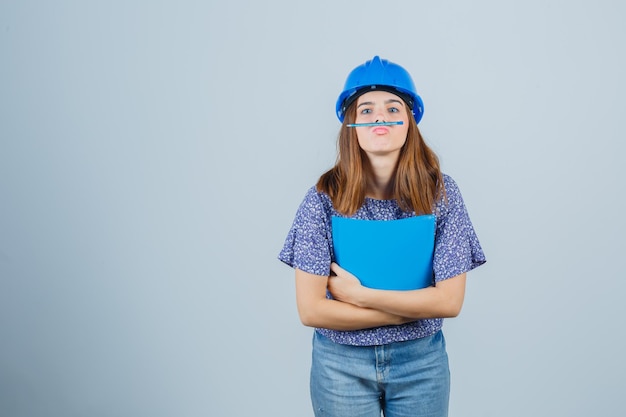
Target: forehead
x,y
378,96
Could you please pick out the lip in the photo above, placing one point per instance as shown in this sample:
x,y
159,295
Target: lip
x,y
380,130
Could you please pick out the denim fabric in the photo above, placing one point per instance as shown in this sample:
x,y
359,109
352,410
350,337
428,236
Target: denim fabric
x,y
401,379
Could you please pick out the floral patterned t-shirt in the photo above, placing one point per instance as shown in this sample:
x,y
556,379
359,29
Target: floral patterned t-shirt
x,y
309,247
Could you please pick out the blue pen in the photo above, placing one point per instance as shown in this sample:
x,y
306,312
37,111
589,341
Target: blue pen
x,y
375,124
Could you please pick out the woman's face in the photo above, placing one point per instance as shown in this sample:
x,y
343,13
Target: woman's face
x,y
382,106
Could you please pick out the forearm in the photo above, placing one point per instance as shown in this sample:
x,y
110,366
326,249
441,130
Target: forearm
x,y
443,300
418,304
316,310
337,315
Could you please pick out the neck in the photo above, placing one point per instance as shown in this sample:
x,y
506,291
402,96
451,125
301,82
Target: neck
x,y
380,186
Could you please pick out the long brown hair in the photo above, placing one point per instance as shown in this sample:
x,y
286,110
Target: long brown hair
x,y
417,183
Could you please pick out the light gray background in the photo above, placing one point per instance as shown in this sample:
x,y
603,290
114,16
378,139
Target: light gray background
x,y
153,154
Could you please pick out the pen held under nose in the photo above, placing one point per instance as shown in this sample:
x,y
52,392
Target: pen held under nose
x,y
375,124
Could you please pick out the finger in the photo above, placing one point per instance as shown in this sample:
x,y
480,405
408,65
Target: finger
x,y
335,267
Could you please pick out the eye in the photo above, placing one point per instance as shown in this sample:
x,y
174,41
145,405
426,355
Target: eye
x,y
393,110
366,111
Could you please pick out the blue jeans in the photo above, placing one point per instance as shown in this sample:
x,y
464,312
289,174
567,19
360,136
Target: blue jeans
x,y
402,379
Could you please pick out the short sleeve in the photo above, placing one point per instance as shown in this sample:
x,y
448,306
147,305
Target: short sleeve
x,y
457,249
307,244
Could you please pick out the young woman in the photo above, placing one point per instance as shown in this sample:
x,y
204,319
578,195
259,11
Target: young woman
x,y
379,350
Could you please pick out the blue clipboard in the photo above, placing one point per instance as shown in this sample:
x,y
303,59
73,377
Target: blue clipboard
x,y
386,254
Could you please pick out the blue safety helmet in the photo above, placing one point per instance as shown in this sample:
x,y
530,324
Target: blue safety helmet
x,y
380,74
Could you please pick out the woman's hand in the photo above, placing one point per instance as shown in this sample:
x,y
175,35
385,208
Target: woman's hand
x,y
344,286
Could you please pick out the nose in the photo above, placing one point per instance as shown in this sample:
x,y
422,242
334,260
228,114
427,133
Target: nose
x,y
379,115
